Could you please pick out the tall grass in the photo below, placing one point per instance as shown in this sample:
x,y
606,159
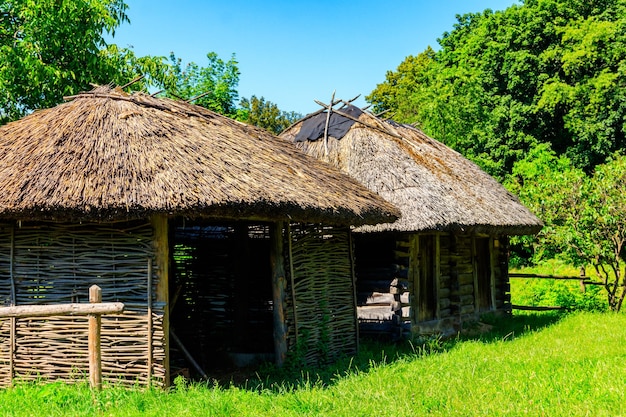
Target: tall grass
x,y
531,365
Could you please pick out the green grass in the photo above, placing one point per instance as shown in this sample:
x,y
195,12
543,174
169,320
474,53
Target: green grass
x,y
561,293
530,365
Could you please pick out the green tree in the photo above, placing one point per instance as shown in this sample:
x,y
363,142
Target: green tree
x,y
215,84
265,114
546,71
54,48
585,214
596,234
549,186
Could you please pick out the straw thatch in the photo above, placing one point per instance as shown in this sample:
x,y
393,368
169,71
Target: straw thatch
x,y
108,155
436,188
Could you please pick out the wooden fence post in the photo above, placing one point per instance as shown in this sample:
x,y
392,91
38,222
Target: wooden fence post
x,y
278,292
95,356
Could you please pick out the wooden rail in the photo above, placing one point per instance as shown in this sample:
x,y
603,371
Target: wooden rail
x,y
576,278
582,278
93,311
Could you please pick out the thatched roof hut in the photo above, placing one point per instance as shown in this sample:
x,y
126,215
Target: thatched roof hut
x,y
435,187
143,196
110,155
445,261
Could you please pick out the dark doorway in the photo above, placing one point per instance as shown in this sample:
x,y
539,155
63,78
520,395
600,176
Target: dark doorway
x,y
375,269
483,274
220,296
427,290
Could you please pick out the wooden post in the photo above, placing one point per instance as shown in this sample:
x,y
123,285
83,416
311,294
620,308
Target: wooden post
x,y
414,277
330,110
160,243
292,276
95,356
437,275
149,322
12,335
493,265
278,291
353,280
475,275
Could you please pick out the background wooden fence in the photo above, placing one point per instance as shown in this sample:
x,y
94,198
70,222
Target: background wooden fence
x,y
583,279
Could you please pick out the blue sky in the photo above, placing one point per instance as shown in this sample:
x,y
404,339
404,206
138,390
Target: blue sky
x,y
292,52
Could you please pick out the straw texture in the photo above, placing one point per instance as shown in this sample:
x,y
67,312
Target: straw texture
x,y
108,155
436,188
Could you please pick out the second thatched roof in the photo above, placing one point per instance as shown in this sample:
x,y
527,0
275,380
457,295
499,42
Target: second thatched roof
x,y
109,155
435,187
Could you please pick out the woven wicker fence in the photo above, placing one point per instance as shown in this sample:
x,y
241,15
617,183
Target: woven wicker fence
x,y
52,263
323,325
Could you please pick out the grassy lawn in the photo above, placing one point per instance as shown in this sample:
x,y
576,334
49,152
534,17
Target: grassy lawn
x,y
533,365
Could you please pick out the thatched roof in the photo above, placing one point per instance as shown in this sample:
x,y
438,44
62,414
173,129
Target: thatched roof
x,y
436,188
109,155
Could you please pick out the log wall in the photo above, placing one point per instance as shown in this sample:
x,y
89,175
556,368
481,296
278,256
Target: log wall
x,y
448,279
51,263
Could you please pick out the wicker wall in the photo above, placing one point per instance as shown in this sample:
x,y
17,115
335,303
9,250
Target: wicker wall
x,y
52,263
323,325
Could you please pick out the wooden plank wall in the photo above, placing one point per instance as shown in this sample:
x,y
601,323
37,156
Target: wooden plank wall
x,y
50,263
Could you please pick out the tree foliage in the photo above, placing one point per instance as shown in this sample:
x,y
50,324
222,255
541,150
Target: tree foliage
x,y
54,48
585,214
216,82
265,114
546,71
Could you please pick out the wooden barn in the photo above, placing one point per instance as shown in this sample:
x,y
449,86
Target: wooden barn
x,y
445,261
225,245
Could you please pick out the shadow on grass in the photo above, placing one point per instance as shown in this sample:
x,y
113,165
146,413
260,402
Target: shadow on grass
x,y
373,354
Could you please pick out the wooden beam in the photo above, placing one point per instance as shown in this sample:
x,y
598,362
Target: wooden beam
x,y
293,283
492,259
315,113
437,275
330,111
136,79
537,276
475,275
12,335
278,291
353,281
188,355
537,308
161,247
150,344
73,309
414,276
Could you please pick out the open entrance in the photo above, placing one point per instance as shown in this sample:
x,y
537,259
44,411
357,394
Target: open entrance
x,y
375,268
220,297
483,274
427,290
